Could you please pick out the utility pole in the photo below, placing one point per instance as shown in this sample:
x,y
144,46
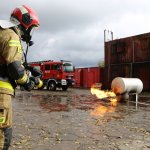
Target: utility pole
x,y
106,32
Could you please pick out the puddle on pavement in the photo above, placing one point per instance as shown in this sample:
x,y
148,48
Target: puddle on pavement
x,y
52,102
63,102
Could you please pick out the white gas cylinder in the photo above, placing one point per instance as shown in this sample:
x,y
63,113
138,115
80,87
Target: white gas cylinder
x,y
126,85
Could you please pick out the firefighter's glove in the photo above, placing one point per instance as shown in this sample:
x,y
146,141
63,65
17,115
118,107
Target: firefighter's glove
x,y
37,81
29,85
35,71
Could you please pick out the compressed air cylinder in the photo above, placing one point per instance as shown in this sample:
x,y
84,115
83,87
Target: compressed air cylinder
x,y
126,85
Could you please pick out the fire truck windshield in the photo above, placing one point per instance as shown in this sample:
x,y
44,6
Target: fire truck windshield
x,y
68,67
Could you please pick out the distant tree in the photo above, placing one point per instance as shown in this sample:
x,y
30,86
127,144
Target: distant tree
x,y
101,63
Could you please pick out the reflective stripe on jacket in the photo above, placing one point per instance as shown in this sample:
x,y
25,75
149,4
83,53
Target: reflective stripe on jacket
x,y
10,51
7,85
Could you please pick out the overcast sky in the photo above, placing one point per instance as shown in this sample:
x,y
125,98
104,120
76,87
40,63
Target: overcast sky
x,y
74,29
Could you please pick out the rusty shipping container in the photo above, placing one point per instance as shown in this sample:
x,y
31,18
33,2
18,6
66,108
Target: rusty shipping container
x,y
135,70
128,50
141,48
142,71
112,71
128,57
86,77
119,51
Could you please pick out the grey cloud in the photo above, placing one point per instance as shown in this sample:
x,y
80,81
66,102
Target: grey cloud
x,y
73,29
77,46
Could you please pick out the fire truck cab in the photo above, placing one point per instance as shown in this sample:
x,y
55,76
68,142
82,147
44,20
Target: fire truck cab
x,y
58,74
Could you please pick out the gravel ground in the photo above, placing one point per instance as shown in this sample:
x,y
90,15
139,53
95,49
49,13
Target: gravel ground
x,y
77,120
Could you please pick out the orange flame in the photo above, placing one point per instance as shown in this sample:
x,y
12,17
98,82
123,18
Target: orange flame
x,y
101,110
102,94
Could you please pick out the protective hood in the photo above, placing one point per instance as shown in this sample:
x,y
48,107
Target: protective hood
x,y
8,24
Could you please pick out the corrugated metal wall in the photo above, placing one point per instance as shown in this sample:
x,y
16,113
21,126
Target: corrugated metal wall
x,y
78,77
128,57
119,51
142,71
118,70
142,48
86,77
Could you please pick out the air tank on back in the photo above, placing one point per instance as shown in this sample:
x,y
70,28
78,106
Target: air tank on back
x,y
126,85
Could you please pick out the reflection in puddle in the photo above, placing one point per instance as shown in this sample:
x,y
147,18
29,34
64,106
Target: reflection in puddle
x,y
62,102
52,102
67,103
106,95
102,110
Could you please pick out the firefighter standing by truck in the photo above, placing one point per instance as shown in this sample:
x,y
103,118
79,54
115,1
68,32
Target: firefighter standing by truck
x,y
12,71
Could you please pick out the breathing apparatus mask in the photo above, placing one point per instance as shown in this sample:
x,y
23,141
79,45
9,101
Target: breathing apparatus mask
x,y
26,34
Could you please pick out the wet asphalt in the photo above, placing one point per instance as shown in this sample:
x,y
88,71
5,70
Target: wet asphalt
x,y
77,120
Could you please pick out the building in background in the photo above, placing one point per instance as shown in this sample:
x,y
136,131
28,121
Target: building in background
x,y
128,57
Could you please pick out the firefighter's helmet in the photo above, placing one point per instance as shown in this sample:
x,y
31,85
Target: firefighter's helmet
x,y
21,15
26,16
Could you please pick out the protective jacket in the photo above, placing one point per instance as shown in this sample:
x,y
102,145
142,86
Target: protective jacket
x,y
10,51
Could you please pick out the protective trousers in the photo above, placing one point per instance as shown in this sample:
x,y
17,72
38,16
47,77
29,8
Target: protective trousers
x,y
5,121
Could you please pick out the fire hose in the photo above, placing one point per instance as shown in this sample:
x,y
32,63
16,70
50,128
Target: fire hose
x,y
34,73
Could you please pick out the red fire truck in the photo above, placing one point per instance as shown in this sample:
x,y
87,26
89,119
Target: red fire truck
x,y
56,74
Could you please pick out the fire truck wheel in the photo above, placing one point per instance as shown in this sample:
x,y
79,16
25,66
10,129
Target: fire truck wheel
x,y
64,88
51,86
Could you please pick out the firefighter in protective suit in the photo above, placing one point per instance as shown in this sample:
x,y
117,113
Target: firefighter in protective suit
x,y
12,70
